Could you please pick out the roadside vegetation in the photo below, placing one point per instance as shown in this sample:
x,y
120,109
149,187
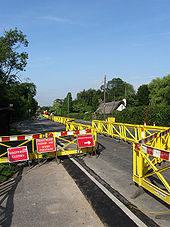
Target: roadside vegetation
x,y
14,93
150,103
13,60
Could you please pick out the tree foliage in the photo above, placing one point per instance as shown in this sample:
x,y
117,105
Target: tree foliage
x,y
159,89
117,89
12,59
143,95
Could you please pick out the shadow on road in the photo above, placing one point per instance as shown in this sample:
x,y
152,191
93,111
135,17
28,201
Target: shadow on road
x,y
7,190
100,148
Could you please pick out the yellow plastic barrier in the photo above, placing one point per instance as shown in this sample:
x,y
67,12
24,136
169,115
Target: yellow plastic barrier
x,y
17,141
151,148
111,119
62,120
127,132
69,146
150,163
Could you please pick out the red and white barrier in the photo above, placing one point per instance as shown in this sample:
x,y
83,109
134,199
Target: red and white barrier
x,y
17,138
143,133
37,136
156,153
152,137
68,133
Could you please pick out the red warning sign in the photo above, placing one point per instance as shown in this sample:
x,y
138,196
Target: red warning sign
x,y
45,145
85,141
18,154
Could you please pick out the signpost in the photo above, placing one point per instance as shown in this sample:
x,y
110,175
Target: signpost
x,y
18,154
85,141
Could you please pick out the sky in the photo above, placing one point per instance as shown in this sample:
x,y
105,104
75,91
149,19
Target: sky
x,y
74,43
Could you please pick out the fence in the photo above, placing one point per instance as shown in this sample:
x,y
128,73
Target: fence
x,y
150,164
66,144
151,151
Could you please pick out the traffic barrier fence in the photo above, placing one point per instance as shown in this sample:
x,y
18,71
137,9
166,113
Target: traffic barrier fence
x,y
66,144
151,165
151,151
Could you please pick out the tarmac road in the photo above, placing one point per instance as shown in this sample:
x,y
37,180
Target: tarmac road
x,y
114,165
45,195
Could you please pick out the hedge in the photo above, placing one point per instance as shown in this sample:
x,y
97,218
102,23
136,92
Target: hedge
x,y
134,115
137,115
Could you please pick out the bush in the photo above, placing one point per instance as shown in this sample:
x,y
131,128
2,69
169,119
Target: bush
x,y
6,172
137,115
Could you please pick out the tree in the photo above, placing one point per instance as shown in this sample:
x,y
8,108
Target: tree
x,y
21,95
67,106
117,88
12,59
159,89
57,107
143,95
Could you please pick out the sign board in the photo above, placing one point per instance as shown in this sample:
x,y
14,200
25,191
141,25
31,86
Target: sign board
x,y
85,141
18,154
45,145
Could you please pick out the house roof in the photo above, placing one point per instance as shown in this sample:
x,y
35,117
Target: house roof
x,y
109,107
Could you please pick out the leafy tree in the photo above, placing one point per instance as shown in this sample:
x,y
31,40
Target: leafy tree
x,y
117,88
131,101
143,95
159,89
87,100
57,107
21,95
67,103
12,59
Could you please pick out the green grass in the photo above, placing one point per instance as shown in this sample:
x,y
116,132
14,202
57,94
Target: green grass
x,y
6,172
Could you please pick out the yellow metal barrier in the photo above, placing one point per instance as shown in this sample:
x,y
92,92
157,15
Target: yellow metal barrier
x,y
18,141
127,132
62,120
71,126
111,119
69,146
148,167
150,163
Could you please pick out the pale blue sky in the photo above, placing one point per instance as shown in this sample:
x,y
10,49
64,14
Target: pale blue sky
x,y
73,43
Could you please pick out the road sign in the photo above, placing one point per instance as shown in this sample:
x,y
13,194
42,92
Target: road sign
x,y
17,154
85,141
45,145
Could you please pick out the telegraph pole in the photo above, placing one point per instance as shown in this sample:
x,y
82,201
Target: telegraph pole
x,y
104,95
68,105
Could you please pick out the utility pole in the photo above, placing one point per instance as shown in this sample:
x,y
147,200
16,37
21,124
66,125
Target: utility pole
x,y
104,95
68,105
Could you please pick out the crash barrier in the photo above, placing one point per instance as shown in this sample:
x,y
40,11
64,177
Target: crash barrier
x,y
151,164
50,144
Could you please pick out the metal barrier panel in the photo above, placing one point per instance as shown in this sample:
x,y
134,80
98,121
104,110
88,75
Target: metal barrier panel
x,y
66,145
151,150
151,165
18,141
127,132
